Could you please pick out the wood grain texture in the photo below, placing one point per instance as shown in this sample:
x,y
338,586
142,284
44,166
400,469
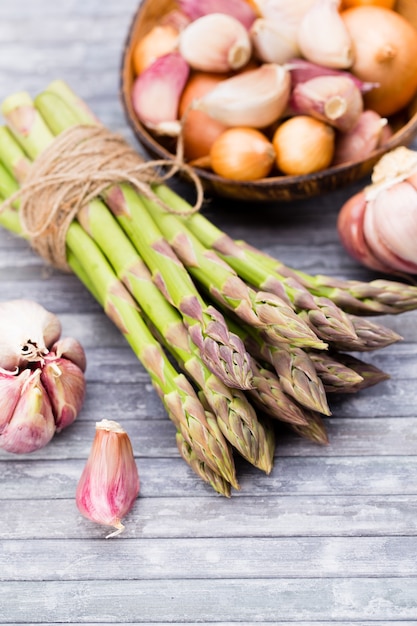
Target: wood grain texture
x,y
328,538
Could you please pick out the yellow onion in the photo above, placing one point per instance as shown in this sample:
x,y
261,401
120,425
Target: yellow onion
x,y
303,145
385,52
378,225
160,40
242,154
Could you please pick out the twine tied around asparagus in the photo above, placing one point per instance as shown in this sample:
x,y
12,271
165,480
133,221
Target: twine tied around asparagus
x,y
76,168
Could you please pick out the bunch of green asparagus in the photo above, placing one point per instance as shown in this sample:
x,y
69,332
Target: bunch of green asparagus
x,y
254,341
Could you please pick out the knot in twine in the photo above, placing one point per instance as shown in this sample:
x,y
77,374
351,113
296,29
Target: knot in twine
x,y
77,167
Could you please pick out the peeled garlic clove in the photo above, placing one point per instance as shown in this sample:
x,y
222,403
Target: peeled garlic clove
x,y
361,140
335,100
32,425
272,42
239,9
65,385
390,224
215,43
71,349
109,483
255,98
323,37
10,389
28,331
157,91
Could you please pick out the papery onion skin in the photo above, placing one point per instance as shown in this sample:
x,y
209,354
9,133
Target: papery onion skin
x,y
385,52
303,145
350,229
199,130
242,154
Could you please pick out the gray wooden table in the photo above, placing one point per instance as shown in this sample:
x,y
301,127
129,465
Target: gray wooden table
x,y
328,537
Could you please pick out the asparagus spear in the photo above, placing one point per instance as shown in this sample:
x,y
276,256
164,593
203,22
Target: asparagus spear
x,y
344,373
222,351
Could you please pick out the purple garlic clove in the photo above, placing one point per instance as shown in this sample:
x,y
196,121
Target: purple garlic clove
x,y
32,424
65,385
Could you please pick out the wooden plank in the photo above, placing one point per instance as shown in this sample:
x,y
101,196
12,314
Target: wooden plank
x,y
256,601
219,558
172,477
206,515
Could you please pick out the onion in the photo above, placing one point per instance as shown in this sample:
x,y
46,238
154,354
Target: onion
x,y
385,52
242,154
160,40
199,130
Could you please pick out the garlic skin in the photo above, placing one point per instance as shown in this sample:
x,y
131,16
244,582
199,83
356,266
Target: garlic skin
x,y
11,384
32,424
302,70
215,43
28,331
335,100
65,385
156,93
323,37
109,483
239,9
255,98
70,348
272,42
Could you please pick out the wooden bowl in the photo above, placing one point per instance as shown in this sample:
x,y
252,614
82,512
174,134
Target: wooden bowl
x,y
272,188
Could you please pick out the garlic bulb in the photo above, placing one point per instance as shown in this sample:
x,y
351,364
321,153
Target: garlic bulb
x,y
335,100
28,331
272,41
41,376
215,43
109,483
378,225
255,98
323,37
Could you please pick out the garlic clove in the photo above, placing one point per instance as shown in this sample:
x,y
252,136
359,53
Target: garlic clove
x,y
323,37
390,224
65,385
272,42
109,483
239,9
302,70
361,140
11,384
156,93
32,425
29,330
215,43
283,11
71,349
255,98
335,100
